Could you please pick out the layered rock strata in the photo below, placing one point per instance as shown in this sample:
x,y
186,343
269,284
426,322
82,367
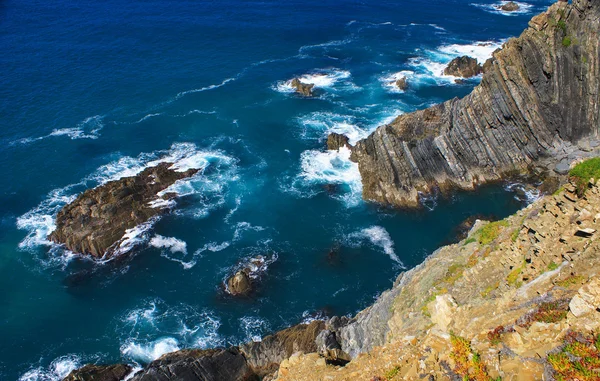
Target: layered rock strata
x,y
95,223
538,95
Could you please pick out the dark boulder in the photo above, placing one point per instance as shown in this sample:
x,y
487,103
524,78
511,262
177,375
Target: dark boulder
x,y
198,365
511,6
264,356
302,88
95,223
464,67
92,372
336,141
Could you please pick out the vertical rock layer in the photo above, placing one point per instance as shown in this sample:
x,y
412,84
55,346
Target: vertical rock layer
x,y
537,93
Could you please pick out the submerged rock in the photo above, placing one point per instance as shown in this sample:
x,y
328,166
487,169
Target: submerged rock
x,y
511,6
92,372
198,364
336,141
464,67
302,88
535,97
96,222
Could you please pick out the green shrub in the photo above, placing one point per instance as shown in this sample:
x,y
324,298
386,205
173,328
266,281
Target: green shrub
x,y
583,172
491,231
566,41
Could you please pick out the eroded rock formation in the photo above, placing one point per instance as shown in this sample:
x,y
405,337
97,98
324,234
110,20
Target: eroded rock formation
x,y
538,95
95,223
463,67
336,141
511,6
302,88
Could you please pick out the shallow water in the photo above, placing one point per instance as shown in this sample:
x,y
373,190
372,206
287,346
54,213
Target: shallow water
x,y
93,92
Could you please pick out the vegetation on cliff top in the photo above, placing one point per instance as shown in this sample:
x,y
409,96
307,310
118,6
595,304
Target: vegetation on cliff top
x,y
583,172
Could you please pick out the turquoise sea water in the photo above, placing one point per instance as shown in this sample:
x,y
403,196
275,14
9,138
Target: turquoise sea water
x,y
93,91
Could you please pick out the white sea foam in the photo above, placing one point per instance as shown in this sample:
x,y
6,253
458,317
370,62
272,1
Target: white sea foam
x,y
134,237
89,128
157,328
149,116
56,371
523,193
430,65
206,88
377,236
254,328
331,79
242,227
146,352
320,124
524,8
388,81
329,167
173,244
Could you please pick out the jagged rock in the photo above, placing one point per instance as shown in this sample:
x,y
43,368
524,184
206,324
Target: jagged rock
x,y
464,67
94,224
305,89
329,347
92,372
336,141
239,284
442,310
265,356
511,6
562,168
401,83
198,364
521,111
587,299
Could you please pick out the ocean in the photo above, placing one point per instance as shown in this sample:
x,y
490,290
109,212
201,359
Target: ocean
x,y
97,90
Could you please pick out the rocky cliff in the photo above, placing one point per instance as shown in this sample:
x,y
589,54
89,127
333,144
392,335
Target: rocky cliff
x,y
538,96
517,299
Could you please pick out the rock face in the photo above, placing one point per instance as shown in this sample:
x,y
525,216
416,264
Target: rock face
x,y
511,6
336,141
95,223
198,365
502,302
464,67
265,356
522,111
305,89
93,372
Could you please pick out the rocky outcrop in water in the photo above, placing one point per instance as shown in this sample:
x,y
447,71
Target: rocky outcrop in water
x,y
239,284
199,365
302,88
537,98
511,6
92,372
463,67
401,84
336,141
96,222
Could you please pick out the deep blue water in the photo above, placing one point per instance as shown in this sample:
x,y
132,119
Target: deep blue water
x,y
92,91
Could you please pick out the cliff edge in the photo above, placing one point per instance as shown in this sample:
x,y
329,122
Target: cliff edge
x,y
537,99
